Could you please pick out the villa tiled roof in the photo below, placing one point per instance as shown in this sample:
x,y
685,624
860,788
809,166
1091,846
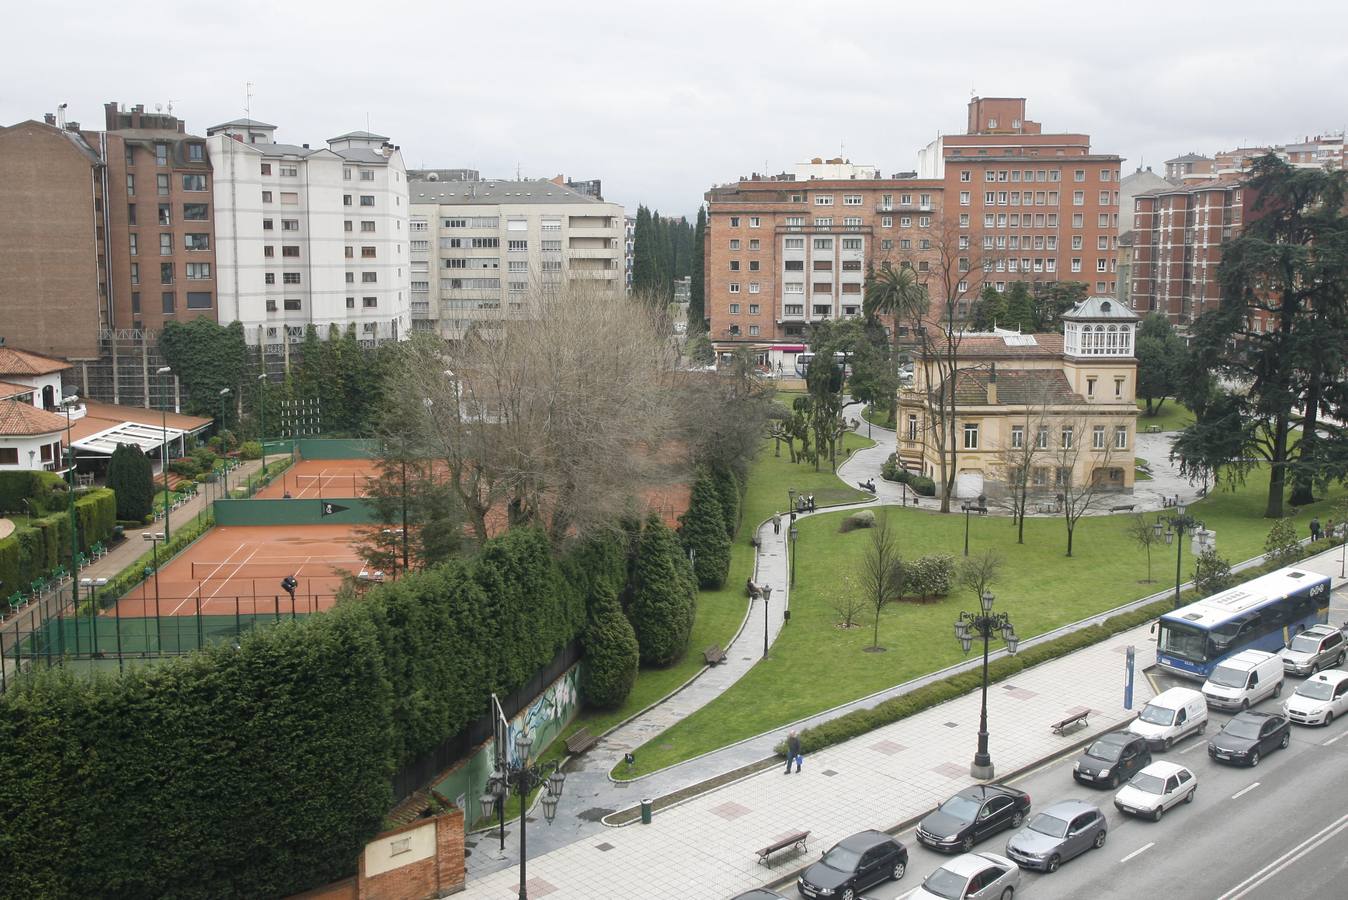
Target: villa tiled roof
x,y
18,419
1016,387
22,362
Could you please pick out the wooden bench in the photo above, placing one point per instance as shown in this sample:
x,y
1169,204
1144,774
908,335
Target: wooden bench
x,y
796,840
1153,429
1071,722
713,654
1122,507
581,741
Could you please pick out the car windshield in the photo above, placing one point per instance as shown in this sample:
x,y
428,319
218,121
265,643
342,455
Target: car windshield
x,y
1049,825
1303,643
1228,677
960,808
1149,783
1242,728
842,859
1184,641
1316,690
945,883
1157,715
1107,750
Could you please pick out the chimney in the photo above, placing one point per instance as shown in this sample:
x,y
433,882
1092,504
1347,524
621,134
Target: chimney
x,y
49,118
992,385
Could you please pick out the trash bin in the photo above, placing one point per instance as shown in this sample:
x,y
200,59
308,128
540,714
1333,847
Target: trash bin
x,y
645,812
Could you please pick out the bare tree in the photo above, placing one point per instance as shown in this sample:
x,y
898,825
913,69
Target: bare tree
x,y
1080,464
980,572
1143,533
1016,461
848,603
881,574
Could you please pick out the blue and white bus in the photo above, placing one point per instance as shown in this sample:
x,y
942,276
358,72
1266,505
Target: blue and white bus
x,y
1261,614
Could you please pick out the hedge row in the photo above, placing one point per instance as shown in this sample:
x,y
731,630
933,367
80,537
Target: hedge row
x,y
34,550
861,721
262,771
29,493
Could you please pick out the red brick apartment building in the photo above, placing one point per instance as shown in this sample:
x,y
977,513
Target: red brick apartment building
x,y
1003,202
102,230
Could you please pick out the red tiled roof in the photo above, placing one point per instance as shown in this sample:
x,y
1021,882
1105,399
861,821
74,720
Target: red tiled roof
x,y
19,419
1016,387
22,362
9,389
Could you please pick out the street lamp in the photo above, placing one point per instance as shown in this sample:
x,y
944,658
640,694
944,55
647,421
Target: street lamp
x,y
982,507
163,451
93,584
791,500
767,598
968,627
523,778
262,415
154,537
224,392
1175,526
795,533
68,403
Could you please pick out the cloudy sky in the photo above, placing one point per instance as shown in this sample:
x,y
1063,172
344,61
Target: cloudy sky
x,y
662,100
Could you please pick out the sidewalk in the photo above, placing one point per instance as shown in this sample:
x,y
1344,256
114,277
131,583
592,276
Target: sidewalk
x,y
706,846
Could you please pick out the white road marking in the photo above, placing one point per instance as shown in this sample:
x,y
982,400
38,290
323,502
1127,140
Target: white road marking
x,y
1140,850
1286,859
1243,791
907,895
1194,746
1334,738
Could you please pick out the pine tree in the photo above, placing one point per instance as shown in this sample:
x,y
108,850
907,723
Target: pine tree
x,y
697,297
131,477
612,654
1019,308
645,272
703,530
663,598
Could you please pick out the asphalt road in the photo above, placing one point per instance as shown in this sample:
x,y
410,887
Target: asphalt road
x,y
1276,831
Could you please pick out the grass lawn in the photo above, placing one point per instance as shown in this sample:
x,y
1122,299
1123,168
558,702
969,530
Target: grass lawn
x,y
877,417
1172,417
814,665
720,612
1140,474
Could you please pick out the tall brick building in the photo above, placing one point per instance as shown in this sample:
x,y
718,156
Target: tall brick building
x,y
1003,202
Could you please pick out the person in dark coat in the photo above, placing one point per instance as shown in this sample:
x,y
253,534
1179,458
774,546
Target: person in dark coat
x,y
793,752
776,523
1315,528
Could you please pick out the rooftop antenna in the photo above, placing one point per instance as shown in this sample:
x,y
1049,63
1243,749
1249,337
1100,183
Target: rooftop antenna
x,y
367,124
517,172
170,107
248,100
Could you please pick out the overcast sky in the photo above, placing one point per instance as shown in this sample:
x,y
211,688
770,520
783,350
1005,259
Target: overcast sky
x,y
662,100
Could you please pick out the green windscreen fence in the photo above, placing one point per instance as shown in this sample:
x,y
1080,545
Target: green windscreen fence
x,y
338,511
336,448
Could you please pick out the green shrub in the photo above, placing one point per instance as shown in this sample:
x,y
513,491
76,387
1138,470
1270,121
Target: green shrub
x,y
35,549
729,491
43,491
1281,544
922,485
702,529
204,458
131,478
184,466
929,577
663,596
1212,574
862,519
250,450
611,652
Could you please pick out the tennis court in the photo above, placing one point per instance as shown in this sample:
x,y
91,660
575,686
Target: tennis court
x,y
237,569
314,479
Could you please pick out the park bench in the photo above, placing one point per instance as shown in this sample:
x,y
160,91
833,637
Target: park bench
x,y
1078,718
1122,507
1153,429
581,741
713,654
796,840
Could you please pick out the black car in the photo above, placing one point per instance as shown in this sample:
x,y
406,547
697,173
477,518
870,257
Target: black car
x,y
1112,759
854,864
1250,735
971,815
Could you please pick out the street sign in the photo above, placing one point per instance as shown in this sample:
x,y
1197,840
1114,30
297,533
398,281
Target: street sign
x,y
1128,678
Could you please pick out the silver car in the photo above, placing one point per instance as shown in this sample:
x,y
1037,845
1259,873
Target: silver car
x,y
1318,647
973,876
1058,833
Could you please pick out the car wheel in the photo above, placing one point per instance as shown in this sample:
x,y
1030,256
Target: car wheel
x,y
967,844
1156,816
1018,820
1254,758
1053,862
1190,797
1202,729
1113,782
1286,739
1277,690
899,868
1167,743
849,894
1329,717
1244,705
1008,893
1099,840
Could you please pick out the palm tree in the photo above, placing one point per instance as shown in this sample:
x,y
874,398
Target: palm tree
x,y
895,291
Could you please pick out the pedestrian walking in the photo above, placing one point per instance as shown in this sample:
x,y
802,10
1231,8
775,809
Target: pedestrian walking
x,y
776,523
793,752
1329,529
812,503
1315,528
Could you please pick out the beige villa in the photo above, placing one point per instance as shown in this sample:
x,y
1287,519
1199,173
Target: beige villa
x,y
1060,406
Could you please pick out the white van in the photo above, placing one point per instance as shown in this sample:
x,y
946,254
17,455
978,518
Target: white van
x,y
1171,715
1241,681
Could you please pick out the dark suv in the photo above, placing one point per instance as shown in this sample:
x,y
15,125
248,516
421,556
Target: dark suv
x,y
854,864
1112,759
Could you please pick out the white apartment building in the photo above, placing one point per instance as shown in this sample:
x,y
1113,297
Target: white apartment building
x,y
481,249
310,236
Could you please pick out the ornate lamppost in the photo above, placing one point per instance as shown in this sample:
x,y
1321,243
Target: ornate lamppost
x,y
1175,525
522,777
984,624
982,507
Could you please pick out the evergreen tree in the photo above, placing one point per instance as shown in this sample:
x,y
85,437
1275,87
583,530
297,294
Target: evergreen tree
x,y
728,491
697,296
703,530
1160,360
663,597
131,477
645,265
611,652
990,310
1020,311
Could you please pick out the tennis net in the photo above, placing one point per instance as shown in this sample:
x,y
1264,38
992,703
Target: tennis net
x,y
310,567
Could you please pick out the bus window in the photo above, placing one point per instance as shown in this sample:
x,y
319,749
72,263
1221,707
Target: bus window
x,y
1183,641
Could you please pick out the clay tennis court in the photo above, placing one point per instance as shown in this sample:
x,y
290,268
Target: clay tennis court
x,y
238,569
314,479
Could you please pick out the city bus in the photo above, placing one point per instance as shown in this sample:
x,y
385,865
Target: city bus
x,y
1261,614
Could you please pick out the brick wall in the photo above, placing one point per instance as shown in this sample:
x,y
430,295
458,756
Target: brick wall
x,y
435,866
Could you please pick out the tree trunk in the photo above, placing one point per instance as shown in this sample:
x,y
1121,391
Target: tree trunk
x,y
1020,530
1070,527
1302,489
1277,474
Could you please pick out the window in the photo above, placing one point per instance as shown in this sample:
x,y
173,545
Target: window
x,y
734,309
346,200
367,199
290,278
194,182
964,198
290,250
755,244
350,302
1076,264
970,436
198,299
133,243
754,288
823,221
1121,437
135,302
292,304
989,197
1076,242
367,252
1066,442
965,175
266,168
289,198
851,243
290,224
196,212
367,174
197,241
1017,436
268,225
130,184
166,273
793,287
734,265
165,214
266,196
269,252
753,265
886,221
823,200
1098,437
1090,387
1078,198
753,330
1041,438
912,426
735,244
269,277
131,214
198,272
1104,198
369,302
289,171
367,227
964,220
852,200
161,154
734,288
1101,265
823,243
1078,221
905,221
1118,386
369,277
794,265
168,302
753,309
1079,175
753,221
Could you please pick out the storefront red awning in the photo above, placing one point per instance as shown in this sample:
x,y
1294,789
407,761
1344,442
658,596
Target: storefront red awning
x,y
788,348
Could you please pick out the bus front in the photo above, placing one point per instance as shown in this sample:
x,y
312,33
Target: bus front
x,y
1184,648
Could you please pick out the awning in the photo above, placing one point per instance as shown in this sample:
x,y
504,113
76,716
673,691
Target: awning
x,y
146,437
788,348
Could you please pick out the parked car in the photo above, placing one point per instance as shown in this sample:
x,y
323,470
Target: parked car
x,y
1318,699
1155,789
972,876
1250,735
1112,759
1241,681
1169,716
971,815
854,864
1318,647
1063,830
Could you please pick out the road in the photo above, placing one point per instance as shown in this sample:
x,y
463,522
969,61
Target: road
x,y
1276,831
